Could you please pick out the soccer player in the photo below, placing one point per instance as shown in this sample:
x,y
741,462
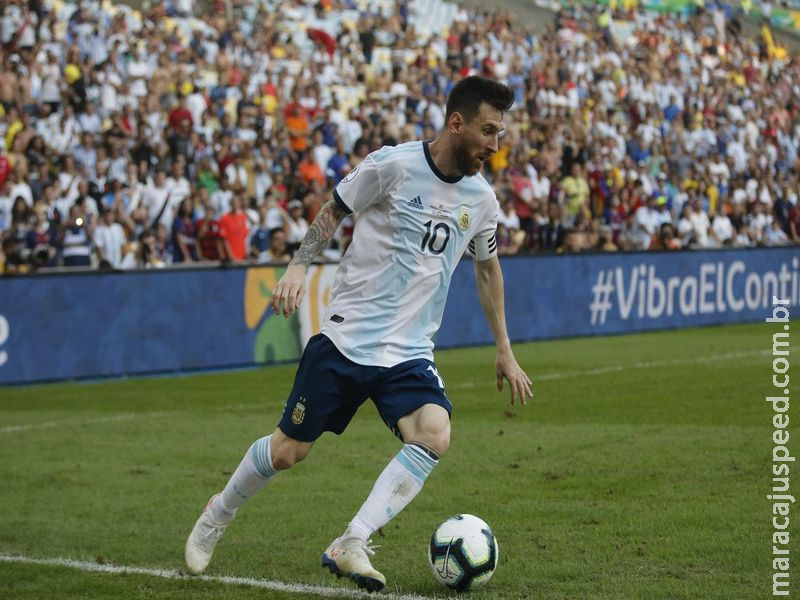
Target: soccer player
x,y
420,206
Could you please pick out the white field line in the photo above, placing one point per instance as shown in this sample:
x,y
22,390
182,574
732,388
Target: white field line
x,y
66,423
654,364
292,588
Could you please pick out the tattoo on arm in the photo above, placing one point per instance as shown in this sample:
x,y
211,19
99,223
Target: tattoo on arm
x,y
320,231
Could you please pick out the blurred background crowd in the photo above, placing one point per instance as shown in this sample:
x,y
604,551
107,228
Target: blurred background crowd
x,y
187,133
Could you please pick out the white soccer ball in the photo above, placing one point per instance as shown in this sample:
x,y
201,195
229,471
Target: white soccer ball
x,y
463,553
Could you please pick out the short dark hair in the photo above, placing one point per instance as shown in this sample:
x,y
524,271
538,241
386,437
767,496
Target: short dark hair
x,y
468,94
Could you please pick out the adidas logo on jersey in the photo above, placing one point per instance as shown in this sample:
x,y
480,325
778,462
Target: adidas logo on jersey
x,y
415,202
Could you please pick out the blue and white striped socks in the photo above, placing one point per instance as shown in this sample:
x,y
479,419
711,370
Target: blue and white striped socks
x,y
252,474
400,482
397,485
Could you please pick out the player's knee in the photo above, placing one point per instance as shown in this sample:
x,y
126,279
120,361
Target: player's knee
x,y
287,455
442,441
286,452
436,437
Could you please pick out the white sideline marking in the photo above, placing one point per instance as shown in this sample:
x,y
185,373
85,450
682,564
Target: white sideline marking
x,y
617,368
292,588
51,424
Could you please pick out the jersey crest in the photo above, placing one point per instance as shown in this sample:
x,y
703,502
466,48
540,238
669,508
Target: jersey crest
x,y
464,219
299,412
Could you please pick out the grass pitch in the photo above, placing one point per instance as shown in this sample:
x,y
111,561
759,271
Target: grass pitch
x,y
640,470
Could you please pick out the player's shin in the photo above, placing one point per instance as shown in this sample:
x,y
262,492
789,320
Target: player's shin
x,y
252,474
396,487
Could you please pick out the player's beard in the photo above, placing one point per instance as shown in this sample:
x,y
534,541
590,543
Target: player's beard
x,y
467,163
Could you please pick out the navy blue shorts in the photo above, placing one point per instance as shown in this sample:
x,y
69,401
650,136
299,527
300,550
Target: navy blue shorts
x,y
329,388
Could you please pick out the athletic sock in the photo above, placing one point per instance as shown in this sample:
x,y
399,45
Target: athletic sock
x,y
400,482
252,474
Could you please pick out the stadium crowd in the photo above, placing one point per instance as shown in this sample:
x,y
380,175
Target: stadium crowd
x,y
188,133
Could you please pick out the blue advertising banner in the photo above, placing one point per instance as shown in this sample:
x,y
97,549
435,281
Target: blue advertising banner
x,y
561,296
110,324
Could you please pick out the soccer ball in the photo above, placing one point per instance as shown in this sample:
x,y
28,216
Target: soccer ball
x,y
463,553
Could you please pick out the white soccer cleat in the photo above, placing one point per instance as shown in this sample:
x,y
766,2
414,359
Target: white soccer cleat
x,y
202,541
349,557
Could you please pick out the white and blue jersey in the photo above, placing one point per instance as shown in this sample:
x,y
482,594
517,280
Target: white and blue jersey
x,y
414,225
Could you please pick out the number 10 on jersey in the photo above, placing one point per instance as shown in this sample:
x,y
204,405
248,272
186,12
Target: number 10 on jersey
x,y
436,239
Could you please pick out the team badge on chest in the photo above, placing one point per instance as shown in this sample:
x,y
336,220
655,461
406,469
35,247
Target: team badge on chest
x,y
464,219
299,412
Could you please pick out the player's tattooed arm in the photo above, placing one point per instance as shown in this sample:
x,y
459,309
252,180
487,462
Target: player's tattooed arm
x,y
319,232
290,289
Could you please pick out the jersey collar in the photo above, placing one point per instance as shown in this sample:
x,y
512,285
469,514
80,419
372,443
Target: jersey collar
x,y
435,169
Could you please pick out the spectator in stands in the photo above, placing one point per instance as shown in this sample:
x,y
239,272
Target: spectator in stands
x,y
742,237
572,242
233,231
775,235
630,235
296,225
147,256
157,201
209,238
297,126
508,217
259,235
180,117
721,228
509,242
177,183
605,240
576,191
310,171
12,258
665,239
685,226
20,219
109,240
212,101
164,250
647,223
758,223
76,239
700,224
20,187
6,206
503,240
86,154
41,239
321,151
338,164
236,174
184,233
278,252
553,233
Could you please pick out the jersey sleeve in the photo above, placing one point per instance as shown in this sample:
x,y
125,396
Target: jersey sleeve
x,y
484,245
361,187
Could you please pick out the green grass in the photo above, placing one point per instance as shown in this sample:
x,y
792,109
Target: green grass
x,y
642,474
